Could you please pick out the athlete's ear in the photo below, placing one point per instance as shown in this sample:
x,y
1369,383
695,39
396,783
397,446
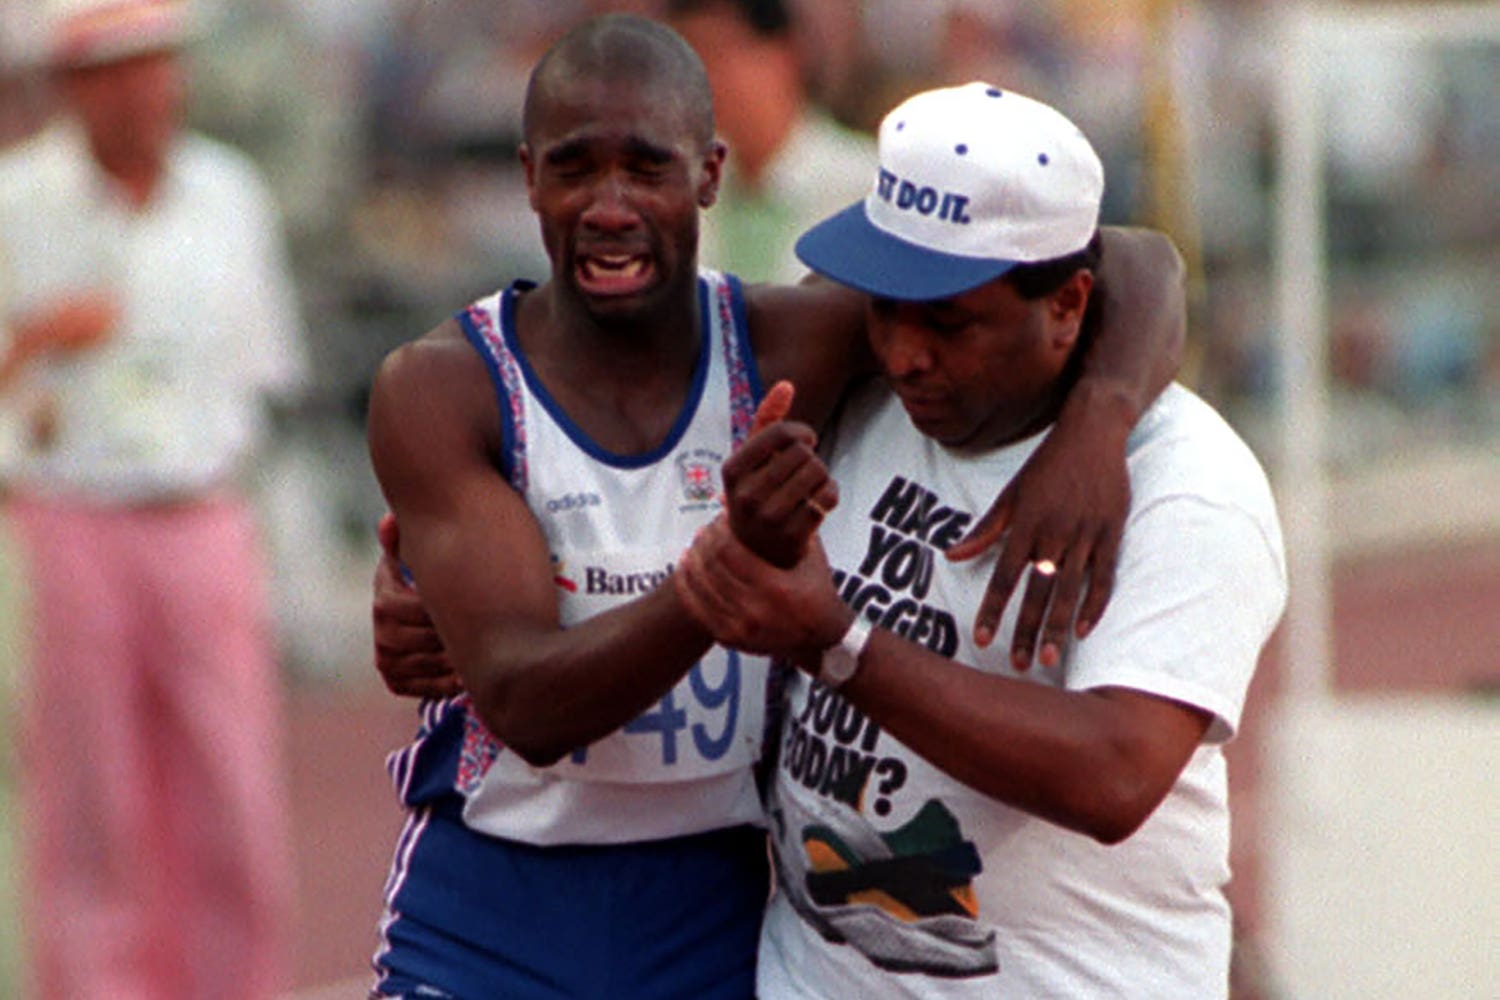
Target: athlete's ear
x,y
528,168
713,173
1065,308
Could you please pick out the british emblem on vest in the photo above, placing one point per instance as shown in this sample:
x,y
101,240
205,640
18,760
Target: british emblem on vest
x,y
699,470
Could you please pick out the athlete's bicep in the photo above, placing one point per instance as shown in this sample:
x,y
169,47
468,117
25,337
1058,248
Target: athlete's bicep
x,y
476,553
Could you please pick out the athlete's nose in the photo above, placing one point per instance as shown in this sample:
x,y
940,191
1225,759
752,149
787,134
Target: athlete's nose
x,y
609,209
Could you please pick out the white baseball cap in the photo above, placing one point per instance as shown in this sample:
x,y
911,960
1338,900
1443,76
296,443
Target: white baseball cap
x,y
973,180
91,32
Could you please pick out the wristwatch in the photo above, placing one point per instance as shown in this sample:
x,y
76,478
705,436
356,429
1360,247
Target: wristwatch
x,y
841,660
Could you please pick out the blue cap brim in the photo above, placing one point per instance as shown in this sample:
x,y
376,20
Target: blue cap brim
x,y
848,249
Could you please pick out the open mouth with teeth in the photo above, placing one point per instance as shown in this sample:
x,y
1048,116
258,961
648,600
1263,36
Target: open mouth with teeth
x,y
614,274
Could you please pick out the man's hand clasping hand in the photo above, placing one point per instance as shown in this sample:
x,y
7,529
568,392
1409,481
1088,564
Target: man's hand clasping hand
x,y
409,653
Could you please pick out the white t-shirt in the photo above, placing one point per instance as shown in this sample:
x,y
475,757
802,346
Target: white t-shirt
x,y
897,880
208,320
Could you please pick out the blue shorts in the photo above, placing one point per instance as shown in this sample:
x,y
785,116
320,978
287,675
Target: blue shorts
x,y
475,917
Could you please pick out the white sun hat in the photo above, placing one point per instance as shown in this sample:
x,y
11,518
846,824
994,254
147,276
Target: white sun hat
x,y
91,32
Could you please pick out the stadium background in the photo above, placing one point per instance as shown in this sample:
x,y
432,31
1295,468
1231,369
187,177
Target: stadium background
x,y
1365,784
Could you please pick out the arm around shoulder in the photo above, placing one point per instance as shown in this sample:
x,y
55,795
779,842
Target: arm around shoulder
x,y
1069,502
1141,322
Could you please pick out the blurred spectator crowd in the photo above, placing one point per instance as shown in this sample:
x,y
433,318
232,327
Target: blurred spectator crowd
x,y
388,129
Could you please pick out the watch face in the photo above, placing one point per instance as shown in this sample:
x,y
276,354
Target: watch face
x,y
839,662
837,666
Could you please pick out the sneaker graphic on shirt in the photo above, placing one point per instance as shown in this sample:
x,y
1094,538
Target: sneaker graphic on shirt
x,y
903,898
929,872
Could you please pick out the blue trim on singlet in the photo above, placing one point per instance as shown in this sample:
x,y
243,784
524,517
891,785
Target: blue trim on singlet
x,y
476,340
742,336
580,437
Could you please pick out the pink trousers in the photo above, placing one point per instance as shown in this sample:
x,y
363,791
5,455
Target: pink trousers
x,y
155,815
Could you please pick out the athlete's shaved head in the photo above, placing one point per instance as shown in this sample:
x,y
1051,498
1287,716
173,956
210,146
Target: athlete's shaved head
x,y
630,51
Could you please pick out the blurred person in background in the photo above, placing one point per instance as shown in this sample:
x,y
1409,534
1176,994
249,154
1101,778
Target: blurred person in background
x,y
150,318
790,162
23,109
23,100
1018,44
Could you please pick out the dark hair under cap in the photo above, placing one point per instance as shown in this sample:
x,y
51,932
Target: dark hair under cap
x,y
1033,281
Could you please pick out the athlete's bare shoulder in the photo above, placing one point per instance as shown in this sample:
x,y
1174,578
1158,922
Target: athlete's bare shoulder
x,y
440,356
438,380
812,333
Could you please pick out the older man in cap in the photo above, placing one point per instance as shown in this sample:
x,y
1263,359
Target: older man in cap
x,y
944,824
148,318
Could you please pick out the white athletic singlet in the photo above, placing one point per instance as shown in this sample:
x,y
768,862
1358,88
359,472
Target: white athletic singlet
x,y
616,524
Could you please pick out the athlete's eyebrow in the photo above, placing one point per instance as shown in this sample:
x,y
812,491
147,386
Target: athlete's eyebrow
x,y
636,148
650,151
570,149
